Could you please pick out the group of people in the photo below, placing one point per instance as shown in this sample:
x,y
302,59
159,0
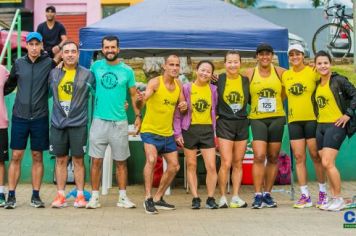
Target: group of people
x,y
321,112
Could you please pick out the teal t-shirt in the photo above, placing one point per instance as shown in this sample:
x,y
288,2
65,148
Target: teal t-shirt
x,y
112,84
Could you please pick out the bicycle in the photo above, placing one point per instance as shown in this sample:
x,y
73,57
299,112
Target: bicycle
x,y
335,36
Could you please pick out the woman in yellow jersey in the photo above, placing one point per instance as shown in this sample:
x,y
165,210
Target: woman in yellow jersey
x,y
232,127
267,119
335,97
195,130
300,83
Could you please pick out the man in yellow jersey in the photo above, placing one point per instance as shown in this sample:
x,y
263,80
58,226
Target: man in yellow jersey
x,y
114,79
70,87
163,96
267,119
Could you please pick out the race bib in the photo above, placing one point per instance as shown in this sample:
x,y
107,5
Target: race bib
x,y
267,105
235,107
66,107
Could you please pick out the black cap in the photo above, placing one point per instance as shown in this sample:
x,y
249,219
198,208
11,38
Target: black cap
x,y
264,47
51,8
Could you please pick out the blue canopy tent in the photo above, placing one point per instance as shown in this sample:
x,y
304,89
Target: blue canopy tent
x,y
186,28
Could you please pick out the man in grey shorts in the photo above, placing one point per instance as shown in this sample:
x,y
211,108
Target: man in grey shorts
x,y
70,87
110,126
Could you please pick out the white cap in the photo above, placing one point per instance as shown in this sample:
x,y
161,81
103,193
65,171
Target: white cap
x,y
297,47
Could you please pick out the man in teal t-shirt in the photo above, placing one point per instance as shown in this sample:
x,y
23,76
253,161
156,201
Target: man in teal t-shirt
x,y
110,127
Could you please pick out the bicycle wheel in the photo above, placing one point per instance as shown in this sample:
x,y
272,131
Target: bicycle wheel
x,y
332,38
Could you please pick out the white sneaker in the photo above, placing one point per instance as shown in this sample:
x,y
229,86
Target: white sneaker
x,y
337,205
326,205
237,202
223,202
125,202
93,203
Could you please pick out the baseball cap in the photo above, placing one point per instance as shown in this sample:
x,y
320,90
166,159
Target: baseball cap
x,y
296,47
50,8
33,35
264,47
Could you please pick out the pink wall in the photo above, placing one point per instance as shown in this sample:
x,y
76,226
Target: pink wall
x,y
92,8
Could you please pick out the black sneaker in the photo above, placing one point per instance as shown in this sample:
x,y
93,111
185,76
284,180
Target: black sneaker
x,y
211,204
163,205
257,202
37,202
196,203
268,201
10,203
150,206
2,199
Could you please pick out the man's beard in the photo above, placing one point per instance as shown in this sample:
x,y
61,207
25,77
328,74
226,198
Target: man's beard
x,y
113,58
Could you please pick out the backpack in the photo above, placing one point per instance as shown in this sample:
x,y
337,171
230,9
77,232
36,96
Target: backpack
x,y
284,169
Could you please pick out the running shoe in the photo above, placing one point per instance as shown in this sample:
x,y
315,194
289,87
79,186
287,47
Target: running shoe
x,y
59,201
237,202
125,202
223,202
303,202
268,201
10,203
93,203
36,202
326,205
149,206
80,202
257,202
211,204
196,203
323,199
2,200
337,205
163,205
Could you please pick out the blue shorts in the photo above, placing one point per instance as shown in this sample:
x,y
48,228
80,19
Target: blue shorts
x,y
37,129
162,144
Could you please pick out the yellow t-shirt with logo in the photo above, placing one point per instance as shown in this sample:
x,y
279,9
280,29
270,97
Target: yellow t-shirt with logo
x,y
300,87
160,110
329,111
233,93
200,97
65,89
266,96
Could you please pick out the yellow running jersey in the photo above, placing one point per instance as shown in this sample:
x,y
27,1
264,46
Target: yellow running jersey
x,y
160,110
300,87
266,98
329,111
65,89
233,93
201,104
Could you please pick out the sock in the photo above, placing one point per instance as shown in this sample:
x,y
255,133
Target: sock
x,y
258,193
122,192
80,193
304,190
11,193
61,192
95,194
235,198
36,193
322,187
2,189
265,193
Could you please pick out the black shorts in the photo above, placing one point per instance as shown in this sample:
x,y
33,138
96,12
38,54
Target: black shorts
x,y
37,129
199,137
302,129
4,145
330,136
233,130
268,129
71,138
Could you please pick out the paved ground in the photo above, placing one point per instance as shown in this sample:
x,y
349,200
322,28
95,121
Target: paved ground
x,y
110,220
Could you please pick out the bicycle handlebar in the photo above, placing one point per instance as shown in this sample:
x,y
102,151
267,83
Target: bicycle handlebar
x,y
338,7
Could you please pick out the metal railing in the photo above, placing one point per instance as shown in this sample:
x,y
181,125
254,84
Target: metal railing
x,y
7,46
